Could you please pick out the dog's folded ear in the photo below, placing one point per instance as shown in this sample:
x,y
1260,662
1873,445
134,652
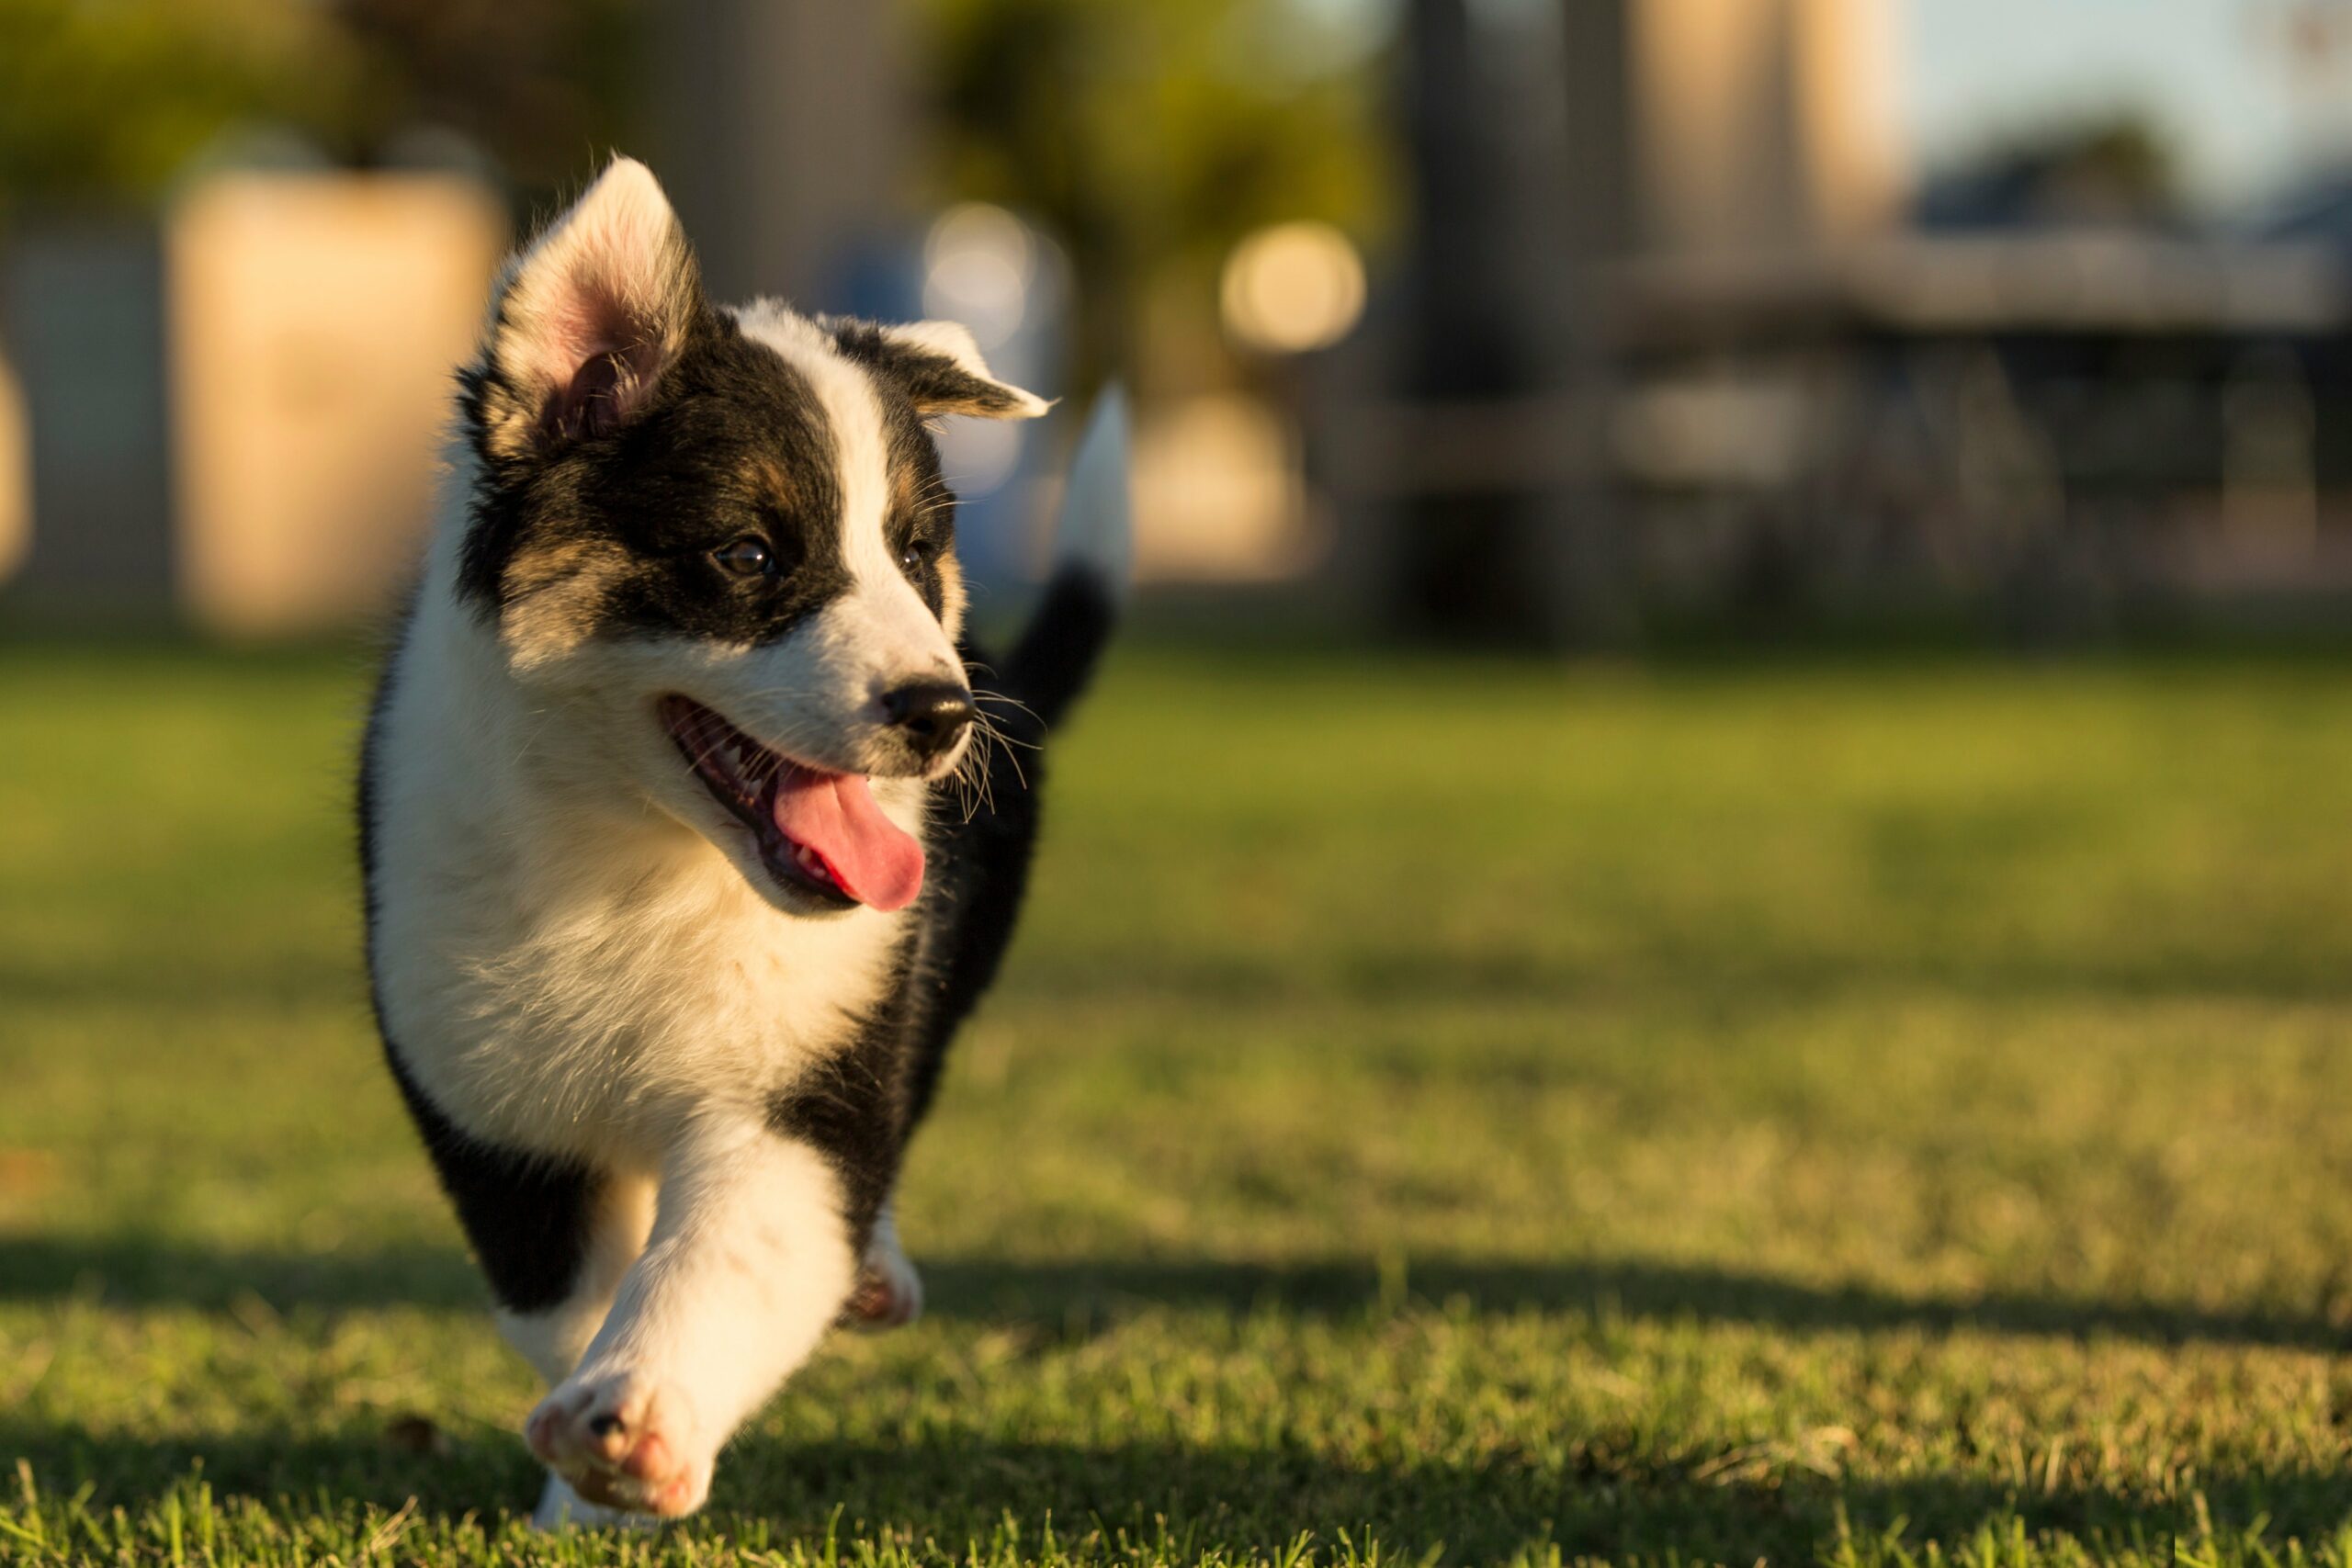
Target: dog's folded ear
x,y
586,319
936,363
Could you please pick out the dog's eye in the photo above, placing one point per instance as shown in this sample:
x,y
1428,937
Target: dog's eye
x,y
747,557
915,554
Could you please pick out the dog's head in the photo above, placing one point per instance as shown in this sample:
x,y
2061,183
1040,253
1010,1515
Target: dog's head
x,y
717,544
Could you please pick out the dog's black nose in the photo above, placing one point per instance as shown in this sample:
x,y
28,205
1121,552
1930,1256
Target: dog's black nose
x,y
930,715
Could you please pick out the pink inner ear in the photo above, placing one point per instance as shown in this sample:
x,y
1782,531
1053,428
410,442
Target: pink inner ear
x,y
596,358
595,306
591,404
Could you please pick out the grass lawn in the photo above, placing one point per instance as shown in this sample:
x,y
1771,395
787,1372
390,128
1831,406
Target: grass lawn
x,y
1476,1111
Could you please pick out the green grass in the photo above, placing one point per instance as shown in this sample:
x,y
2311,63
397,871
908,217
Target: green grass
x,y
1472,1111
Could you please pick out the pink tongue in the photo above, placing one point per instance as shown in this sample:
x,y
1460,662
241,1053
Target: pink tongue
x,y
875,860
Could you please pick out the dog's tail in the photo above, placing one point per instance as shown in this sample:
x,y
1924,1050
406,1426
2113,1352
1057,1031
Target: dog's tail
x,y
1093,552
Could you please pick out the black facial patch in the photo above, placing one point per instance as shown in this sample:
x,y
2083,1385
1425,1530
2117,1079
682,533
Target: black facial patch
x,y
622,528
919,527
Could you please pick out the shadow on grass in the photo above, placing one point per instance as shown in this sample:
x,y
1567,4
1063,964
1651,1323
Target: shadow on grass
x,y
951,1488
1078,1299
133,1271
184,984
1084,1295
1666,968
1664,962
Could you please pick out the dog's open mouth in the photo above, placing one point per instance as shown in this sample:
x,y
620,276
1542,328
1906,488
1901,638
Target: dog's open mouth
x,y
821,833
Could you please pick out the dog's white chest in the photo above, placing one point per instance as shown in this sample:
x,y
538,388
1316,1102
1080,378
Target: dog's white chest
x,y
570,982
583,1016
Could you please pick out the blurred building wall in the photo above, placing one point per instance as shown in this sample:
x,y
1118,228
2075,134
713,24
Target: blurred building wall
x,y
316,325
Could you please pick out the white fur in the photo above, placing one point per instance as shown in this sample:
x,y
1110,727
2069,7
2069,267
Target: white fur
x,y
747,1267
882,618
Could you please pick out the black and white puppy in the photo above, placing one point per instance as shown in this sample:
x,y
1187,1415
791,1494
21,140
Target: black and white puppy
x,y
683,864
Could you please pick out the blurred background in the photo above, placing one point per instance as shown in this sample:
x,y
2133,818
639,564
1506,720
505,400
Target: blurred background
x,y
1545,322
1870,1095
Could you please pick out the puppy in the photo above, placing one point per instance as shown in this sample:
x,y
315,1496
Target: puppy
x,y
686,844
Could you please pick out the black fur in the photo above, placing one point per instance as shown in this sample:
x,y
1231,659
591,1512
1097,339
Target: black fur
x,y
922,527
863,1108
530,1219
1049,667
980,858
979,872
978,875
850,1106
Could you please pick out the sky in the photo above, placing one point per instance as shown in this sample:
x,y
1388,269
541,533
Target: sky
x,y
2211,71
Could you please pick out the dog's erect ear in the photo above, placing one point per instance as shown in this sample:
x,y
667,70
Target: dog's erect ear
x,y
587,318
936,363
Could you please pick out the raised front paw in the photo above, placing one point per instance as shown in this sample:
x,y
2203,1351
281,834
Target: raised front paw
x,y
624,1442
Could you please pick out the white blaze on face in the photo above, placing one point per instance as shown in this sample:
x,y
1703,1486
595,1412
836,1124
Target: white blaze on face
x,y
880,630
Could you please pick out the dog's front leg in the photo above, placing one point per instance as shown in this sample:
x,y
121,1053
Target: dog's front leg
x,y
749,1261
